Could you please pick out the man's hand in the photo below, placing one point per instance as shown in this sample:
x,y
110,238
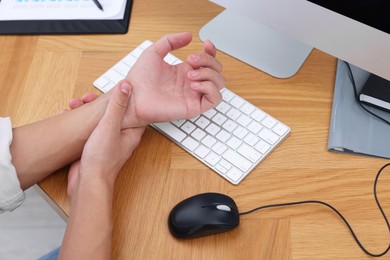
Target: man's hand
x,y
109,145
74,168
163,92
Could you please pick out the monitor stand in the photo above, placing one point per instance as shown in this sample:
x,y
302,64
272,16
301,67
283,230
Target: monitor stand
x,y
255,44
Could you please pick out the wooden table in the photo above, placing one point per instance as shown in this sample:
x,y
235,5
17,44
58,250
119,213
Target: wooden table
x,y
40,74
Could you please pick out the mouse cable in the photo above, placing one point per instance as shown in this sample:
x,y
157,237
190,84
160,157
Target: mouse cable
x,y
357,96
338,213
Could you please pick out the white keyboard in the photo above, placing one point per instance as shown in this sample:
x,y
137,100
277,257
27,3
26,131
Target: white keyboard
x,y
231,139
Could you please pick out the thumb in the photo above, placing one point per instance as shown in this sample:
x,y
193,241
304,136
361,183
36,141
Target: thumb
x,y
117,104
171,42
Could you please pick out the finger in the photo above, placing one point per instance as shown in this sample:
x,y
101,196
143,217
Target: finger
x,y
117,106
88,97
75,103
206,74
170,43
209,48
204,60
211,95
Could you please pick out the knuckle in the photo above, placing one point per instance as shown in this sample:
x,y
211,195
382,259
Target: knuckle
x,y
121,103
209,86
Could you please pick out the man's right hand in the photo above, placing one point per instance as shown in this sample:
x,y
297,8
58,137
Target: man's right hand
x,y
163,92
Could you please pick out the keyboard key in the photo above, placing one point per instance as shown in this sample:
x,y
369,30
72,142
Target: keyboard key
x,y
262,146
249,153
109,86
198,134
251,139
213,129
234,142
194,119
254,127
190,143
170,59
240,132
219,119
244,120
202,151
258,115
230,125
280,129
122,68
188,127
233,113
237,102
225,164
234,174
268,122
210,113
247,108
130,60
221,169
223,136
209,141
137,52
101,82
219,148
178,123
171,131
237,160
227,95
268,136
223,107
202,122
114,75
212,159
145,44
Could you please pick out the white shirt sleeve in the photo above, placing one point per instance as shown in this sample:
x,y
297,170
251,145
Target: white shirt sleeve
x,y
11,195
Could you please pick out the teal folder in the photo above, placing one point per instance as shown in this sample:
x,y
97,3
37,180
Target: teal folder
x,y
353,130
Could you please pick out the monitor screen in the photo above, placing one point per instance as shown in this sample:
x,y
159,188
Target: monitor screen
x,y
374,13
357,31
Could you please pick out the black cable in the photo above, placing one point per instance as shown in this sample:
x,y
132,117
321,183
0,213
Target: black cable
x,y
338,213
357,96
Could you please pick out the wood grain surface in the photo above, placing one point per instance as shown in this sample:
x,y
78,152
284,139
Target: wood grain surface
x,y
40,74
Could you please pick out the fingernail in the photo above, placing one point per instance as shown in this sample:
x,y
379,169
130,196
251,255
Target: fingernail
x,y
195,58
194,73
212,44
125,88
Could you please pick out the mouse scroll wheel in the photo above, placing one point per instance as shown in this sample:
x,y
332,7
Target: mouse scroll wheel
x,y
224,208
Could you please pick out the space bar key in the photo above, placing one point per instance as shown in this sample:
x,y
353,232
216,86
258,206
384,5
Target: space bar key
x,y
171,131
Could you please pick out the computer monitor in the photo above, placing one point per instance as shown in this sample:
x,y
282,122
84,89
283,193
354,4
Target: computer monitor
x,y
276,36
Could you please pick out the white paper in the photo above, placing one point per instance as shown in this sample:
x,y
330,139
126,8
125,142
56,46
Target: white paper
x,y
14,10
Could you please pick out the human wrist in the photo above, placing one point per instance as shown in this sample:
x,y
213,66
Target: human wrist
x,y
95,178
132,119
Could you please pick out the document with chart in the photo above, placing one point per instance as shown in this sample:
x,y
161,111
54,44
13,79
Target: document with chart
x,y
19,10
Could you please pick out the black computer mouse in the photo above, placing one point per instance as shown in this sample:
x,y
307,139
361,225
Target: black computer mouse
x,y
203,214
